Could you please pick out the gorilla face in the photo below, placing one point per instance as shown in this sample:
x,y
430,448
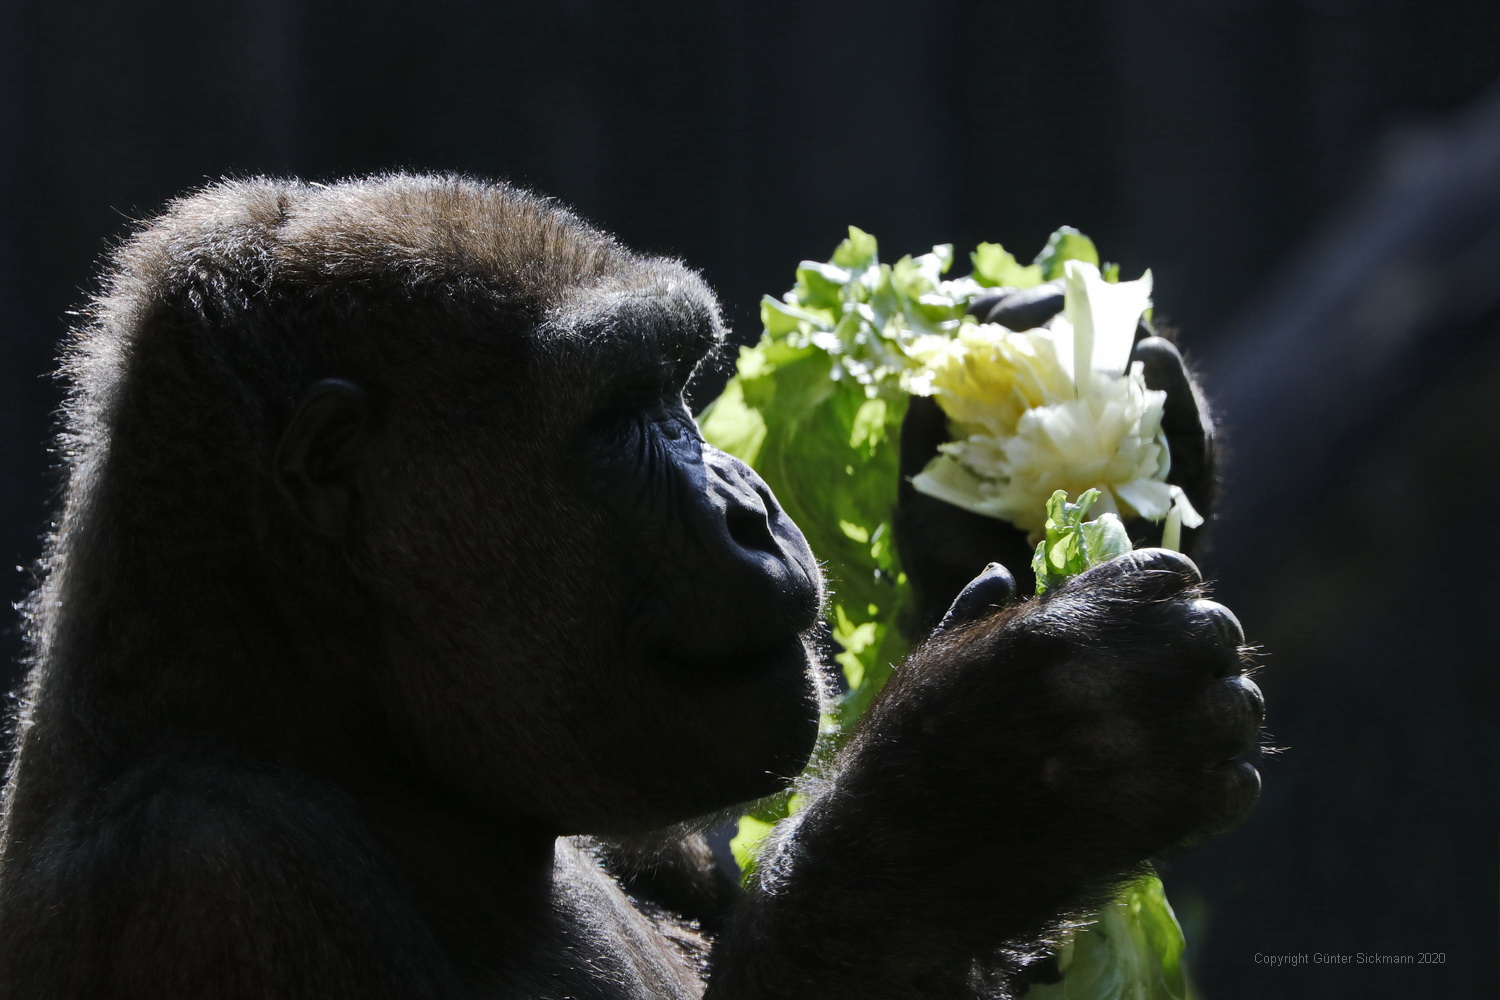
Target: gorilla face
x,y
594,618
721,592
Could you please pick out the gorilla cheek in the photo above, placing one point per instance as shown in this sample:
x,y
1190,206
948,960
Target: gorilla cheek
x,y
770,730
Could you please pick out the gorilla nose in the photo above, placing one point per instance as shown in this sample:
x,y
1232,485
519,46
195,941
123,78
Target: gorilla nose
x,y
749,526
769,567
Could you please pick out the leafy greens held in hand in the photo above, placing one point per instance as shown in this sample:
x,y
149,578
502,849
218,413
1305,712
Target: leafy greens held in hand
x,y
1060,407
1072,544
816,408
1134,949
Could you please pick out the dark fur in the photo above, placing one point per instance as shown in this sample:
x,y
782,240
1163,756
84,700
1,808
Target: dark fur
x,y
389,560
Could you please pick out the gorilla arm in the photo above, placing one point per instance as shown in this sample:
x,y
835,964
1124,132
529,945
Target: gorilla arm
x,y
1024,762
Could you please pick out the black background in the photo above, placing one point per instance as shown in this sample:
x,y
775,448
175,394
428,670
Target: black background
x,y
1310,181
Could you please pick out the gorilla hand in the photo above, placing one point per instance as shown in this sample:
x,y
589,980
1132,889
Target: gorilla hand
x,y
1131,686
1012,773
1109,720
943,547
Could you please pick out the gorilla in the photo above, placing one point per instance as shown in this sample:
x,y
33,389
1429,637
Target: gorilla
x,y
398,630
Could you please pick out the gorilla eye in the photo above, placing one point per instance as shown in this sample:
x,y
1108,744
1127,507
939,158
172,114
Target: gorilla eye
x,y
675,423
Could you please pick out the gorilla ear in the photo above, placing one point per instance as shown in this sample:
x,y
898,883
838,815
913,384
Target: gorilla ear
x,y
317,466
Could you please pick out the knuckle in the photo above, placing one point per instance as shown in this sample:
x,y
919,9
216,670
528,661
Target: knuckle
x,y
1229,718
1236,789
1249,697
1164,562
1214,638
1161,358
1218,622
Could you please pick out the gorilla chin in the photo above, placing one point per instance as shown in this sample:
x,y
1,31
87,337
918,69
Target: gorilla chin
x,y
750,719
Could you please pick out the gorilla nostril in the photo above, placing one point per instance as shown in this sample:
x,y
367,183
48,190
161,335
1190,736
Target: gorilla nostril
x,y
751,529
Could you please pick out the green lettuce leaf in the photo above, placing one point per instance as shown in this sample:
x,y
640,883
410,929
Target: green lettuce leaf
x,y
815,407
1132,952
993,266
1064,245
1073,544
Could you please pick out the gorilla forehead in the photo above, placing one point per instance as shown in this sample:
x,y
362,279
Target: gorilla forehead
x,y
434,240
387,230
656,321
345,274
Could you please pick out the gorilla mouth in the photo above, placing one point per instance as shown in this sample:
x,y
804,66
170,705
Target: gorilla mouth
x,y
703,648
791,652
783,655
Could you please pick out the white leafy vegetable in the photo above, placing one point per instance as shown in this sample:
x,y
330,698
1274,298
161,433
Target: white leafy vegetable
x,y
1056,408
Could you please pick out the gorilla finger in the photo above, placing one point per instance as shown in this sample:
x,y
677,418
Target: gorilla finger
x,y
1224,622
1163,368
1026,308
1149,574
992,589
986,300
1229,718
924,427
1183,419
1218,632
1143,329
1163,561
1234,788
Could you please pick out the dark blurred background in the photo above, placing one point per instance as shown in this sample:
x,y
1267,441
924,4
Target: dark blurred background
x,y
1316,184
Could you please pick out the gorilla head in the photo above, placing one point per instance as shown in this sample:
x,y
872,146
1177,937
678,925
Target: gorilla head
x,y
409,457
